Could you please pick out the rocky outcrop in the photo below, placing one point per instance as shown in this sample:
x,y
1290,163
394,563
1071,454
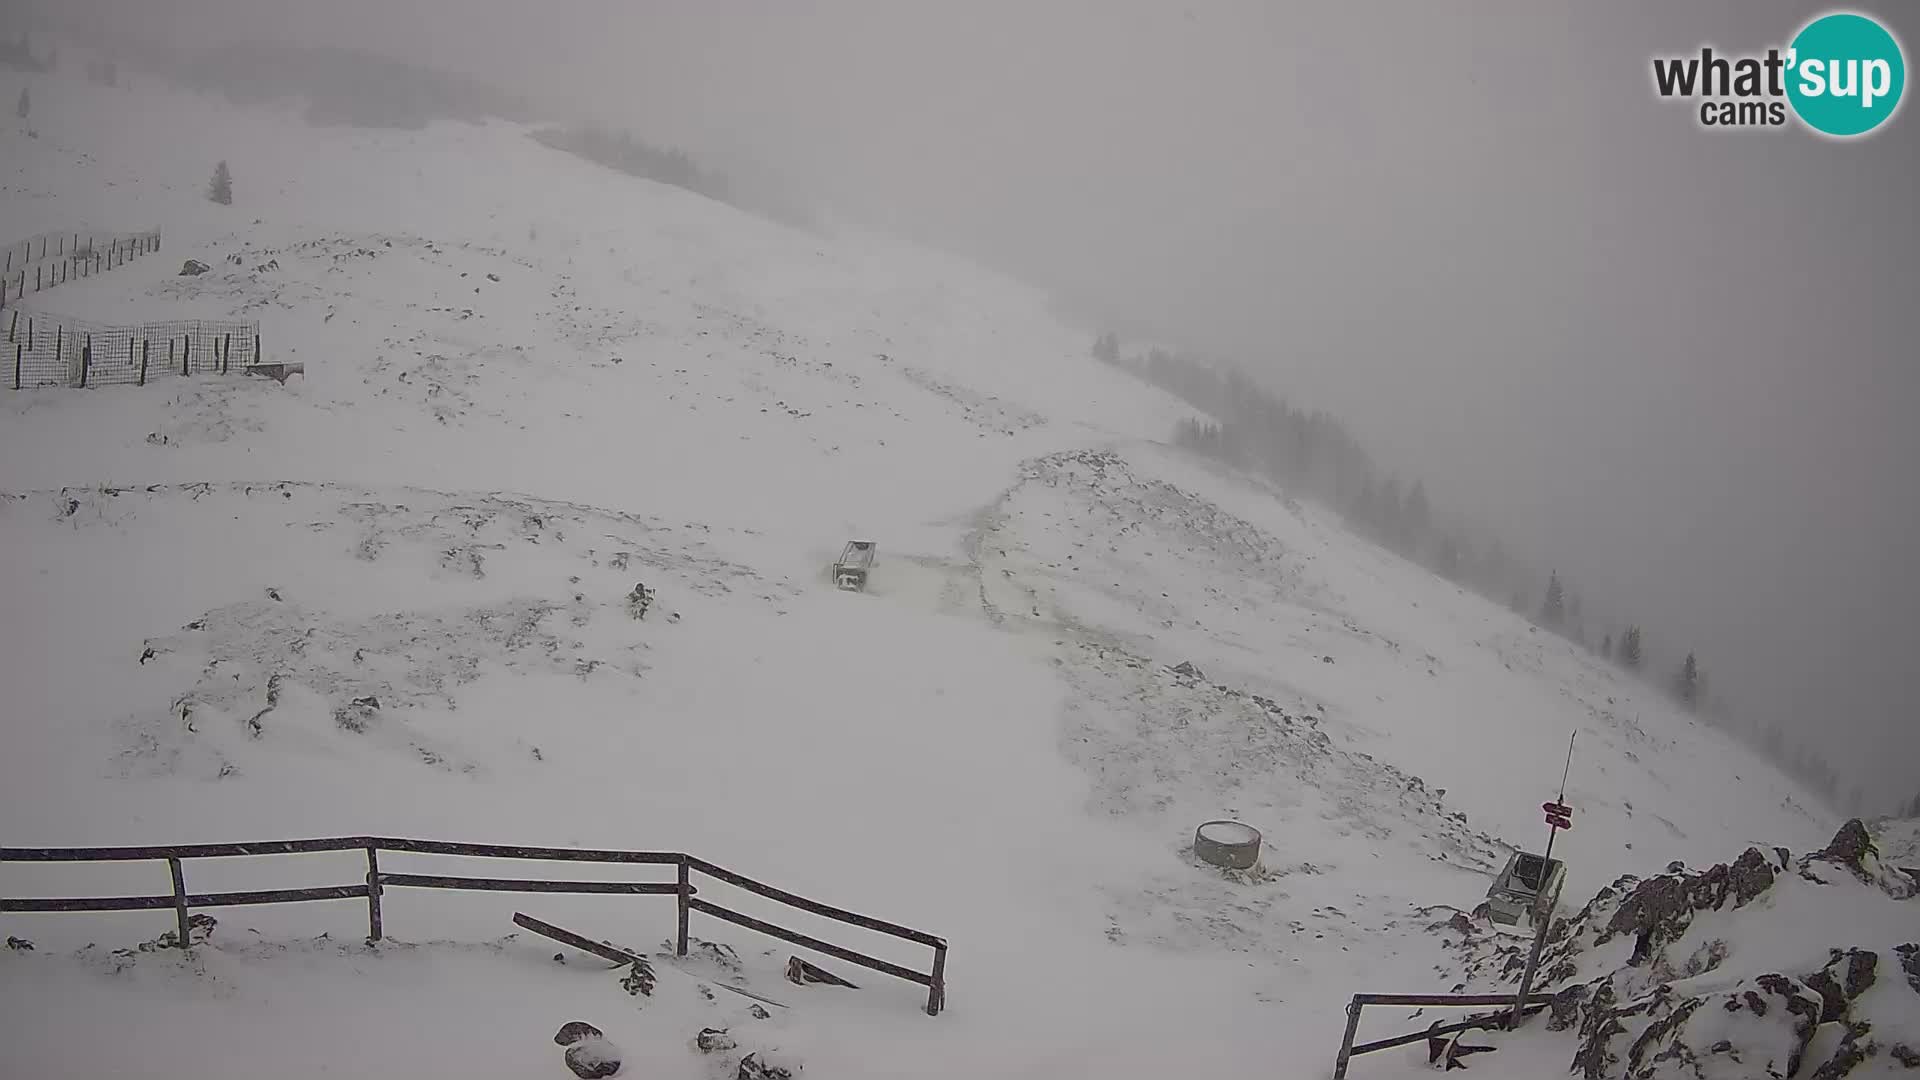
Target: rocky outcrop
x,y
1659,910
1848,974
1853,852
1761,1030
1909,955
1654,1011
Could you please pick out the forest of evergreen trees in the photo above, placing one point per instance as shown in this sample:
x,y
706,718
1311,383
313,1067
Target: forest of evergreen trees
x,y
621,151
1311,453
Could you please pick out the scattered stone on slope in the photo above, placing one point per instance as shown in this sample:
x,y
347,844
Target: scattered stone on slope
x,y
573,1031
1188,670
753,1067
639,979
593,1057
1910,963
193,268
358,715
714,1041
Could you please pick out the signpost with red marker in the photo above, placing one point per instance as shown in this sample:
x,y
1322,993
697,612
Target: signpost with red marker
x,y
1559,816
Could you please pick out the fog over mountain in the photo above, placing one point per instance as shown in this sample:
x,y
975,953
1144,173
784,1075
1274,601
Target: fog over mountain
x,y
1677,366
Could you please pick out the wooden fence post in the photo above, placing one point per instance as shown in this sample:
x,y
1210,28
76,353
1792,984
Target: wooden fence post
x,y
12,325
145,347
226,352
373,894
59,334
179,899
1346,1042
17,346
686,892
937,990
86,362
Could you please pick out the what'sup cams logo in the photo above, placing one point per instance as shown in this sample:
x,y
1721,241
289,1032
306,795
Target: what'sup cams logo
x,y
1842,76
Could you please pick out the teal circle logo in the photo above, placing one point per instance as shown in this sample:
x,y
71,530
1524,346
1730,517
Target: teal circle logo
x,y
1846,74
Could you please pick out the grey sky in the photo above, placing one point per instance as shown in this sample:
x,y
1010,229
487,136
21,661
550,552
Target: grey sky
x,y
1678,365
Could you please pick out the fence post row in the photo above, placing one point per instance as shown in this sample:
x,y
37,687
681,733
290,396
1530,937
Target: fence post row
x,y
682,889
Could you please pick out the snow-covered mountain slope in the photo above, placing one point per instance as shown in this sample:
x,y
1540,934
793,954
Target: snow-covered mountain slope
x,y
531,384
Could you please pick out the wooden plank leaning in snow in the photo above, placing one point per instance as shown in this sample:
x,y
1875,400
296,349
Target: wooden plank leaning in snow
x,y
376,881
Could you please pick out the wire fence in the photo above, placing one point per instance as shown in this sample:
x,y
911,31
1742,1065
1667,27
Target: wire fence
x,y
41,262
53,350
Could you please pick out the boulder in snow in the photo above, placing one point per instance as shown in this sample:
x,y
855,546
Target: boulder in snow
x,y
575,1030
756,1067
593,1057
193,268
714,1041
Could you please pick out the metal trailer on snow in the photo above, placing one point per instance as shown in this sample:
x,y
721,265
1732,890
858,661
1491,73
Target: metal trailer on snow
x,y
850,572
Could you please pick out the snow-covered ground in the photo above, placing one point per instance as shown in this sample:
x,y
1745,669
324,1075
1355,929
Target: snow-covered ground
x,y
532,384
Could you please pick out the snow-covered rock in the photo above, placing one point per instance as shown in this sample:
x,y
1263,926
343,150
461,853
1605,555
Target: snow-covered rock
x,y
1766,967
593,1057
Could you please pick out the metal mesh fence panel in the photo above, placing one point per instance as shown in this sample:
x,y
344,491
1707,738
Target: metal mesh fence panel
x,y
47,350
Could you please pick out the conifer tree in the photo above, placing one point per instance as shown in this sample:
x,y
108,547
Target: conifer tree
x,y
221,190
1687,685
1630,648
1554,610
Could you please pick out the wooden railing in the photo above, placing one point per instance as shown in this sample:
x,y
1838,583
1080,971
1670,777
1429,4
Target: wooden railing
x,y
1348,1050
376,882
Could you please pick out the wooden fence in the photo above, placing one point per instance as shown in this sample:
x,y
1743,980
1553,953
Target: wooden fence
x,y
376,882
51,259
1348,1050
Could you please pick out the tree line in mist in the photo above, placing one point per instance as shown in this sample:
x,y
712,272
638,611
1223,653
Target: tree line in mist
x,y
624,152
1312,453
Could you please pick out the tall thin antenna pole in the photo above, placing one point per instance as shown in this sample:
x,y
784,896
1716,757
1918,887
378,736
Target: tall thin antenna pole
x,y
1562,798
1543,904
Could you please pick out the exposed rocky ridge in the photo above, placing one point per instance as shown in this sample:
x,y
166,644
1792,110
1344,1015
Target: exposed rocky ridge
x,y
1692,974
